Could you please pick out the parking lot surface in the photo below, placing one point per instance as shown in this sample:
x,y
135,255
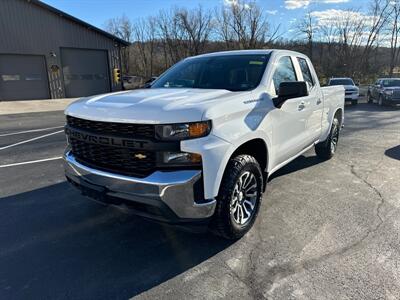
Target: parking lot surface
x,y
326,229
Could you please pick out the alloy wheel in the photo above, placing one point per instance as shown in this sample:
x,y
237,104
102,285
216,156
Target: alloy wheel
x,y
244,198
334,138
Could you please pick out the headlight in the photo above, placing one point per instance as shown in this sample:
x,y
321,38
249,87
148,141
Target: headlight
x,y
389,93
183,131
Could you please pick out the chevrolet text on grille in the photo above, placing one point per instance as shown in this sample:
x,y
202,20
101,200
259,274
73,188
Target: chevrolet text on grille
x,y
104,140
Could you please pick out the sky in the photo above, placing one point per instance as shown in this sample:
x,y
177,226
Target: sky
x,y
284,12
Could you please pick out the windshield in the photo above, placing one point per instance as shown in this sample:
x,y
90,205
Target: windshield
x,y
229,72
341,82
391,82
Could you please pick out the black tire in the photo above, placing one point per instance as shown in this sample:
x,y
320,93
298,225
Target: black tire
x,y
223,222
380,101
327,148
354,102
369,98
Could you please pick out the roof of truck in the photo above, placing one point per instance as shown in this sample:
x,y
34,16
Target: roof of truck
x,y
340,78
250,52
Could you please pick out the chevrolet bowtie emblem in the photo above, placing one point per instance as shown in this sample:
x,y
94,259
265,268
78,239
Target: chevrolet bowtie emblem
x,y
140,156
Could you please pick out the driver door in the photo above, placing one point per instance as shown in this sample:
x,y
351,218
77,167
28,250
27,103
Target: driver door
x,y
375,90
289,121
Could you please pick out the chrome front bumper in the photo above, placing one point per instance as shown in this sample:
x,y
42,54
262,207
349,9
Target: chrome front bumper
x,y
176,190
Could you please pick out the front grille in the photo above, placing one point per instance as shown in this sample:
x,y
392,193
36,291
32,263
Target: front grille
x,y
112,128
119,160
114,159
396,94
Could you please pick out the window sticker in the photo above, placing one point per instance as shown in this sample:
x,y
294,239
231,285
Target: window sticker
x,y
254,62
10,77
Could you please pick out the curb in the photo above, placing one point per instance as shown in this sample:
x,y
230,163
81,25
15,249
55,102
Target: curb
x,y
31,106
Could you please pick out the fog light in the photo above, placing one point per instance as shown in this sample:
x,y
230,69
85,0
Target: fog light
x,y
179,158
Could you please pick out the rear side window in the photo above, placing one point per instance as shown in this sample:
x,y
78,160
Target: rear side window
x,y
305,70
284,72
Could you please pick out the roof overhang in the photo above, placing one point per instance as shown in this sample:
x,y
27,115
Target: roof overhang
x,y
76,20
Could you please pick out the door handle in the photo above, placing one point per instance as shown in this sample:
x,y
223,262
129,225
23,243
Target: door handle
x,y
319,101
302,105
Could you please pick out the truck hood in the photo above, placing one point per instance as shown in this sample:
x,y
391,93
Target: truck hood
x,y
351,88
391,88
148,106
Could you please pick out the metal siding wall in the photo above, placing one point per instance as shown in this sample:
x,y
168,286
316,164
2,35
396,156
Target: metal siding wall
x,y
26,28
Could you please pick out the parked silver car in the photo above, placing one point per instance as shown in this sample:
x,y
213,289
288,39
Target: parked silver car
x,y
385,91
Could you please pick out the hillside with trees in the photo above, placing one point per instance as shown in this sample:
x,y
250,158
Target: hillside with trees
x,y
363,45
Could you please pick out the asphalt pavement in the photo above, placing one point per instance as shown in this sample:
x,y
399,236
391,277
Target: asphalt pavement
x,y
326,229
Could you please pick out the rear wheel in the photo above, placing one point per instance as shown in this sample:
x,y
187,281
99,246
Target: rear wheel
x,y
354,102
327,148
239,198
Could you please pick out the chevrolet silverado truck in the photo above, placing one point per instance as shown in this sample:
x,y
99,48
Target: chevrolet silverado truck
x,y
351,90
385,91
198,146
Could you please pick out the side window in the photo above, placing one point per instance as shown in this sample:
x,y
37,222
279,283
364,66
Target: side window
x,y
284,72
305,70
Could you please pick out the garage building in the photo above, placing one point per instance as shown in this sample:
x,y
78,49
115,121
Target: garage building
x,y
46,53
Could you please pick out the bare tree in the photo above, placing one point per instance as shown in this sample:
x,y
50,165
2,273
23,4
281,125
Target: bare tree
x,y
197,24
151,40
328,37
307,28
394,35
343,43
122,28
224,32
350,28
379,16
243,25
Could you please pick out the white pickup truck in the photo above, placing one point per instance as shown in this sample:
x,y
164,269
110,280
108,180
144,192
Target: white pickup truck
x,y
199,144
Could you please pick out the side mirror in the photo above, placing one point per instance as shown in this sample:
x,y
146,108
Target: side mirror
x,y
290,90
357,84
149,82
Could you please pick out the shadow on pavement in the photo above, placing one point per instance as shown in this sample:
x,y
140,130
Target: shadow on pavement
x,y
302,162
371,107
374,119
393,152
56,244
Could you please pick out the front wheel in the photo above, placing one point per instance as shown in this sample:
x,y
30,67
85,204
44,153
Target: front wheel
x,y
239,198
369,98
327,148
380,101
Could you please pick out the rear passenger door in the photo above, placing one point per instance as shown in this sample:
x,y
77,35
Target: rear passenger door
x,y
313,106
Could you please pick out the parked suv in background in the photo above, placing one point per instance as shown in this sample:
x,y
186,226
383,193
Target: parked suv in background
x,y
385,91
352,92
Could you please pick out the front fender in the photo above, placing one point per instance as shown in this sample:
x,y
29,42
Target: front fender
x,y
214,152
